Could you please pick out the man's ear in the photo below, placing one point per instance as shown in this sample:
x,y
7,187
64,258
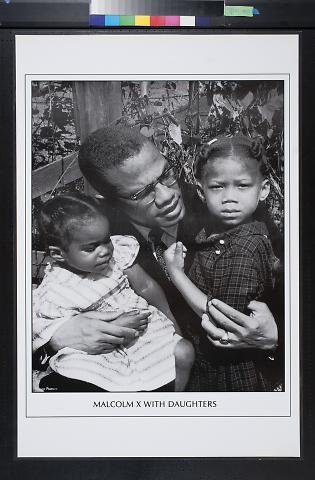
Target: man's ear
x,y
200,192
56,253
265,190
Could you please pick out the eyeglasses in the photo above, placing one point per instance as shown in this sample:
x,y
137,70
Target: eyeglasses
x,y
147,194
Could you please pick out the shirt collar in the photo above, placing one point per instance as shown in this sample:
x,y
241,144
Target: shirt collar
x,y
169,235
252,228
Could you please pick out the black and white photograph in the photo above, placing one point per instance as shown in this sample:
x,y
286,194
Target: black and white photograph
x,y
158,215
157,245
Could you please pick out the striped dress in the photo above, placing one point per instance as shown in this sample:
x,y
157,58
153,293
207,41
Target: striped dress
x,y
146,364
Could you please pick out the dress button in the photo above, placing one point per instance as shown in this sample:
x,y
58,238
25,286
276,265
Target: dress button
x,y
217,252
221,241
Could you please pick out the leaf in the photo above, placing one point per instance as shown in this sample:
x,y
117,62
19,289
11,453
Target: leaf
x,y
247,100
175,133
36,90
245,121
46,132
60,118
171,117
191,140
147,131
228,104
274,103
69,145
269,132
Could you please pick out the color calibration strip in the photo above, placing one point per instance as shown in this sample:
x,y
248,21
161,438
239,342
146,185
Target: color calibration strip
x,y
98,17
148,21
157,20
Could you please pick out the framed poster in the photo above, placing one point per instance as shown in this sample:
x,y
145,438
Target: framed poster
x,y
180,91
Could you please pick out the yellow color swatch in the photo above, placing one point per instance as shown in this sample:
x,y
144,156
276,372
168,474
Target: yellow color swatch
x,y
142,20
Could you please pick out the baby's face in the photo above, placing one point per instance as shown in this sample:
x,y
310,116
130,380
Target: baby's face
x,y
232,188
91,248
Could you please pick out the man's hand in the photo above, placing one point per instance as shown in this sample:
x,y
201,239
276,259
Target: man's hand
x,y
96,332
259,330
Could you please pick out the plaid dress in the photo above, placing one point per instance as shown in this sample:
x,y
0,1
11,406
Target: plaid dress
x,y
235,267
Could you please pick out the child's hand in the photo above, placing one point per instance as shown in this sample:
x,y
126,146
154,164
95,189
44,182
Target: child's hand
x,y
135,319
174,257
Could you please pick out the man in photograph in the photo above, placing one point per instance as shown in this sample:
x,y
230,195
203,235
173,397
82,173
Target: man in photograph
x,y
151,202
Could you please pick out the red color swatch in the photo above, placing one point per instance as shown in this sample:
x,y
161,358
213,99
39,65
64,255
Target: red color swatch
x,y
157,21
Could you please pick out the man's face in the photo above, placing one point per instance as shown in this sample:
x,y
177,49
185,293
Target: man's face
x,y
133,175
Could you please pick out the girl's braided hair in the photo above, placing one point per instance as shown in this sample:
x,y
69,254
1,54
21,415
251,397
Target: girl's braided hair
x,y
224,147
246,147
59,217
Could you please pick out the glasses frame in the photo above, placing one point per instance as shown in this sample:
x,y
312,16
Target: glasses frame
x,y
151,186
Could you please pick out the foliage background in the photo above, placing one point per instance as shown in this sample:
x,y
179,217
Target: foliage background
x,y
177,115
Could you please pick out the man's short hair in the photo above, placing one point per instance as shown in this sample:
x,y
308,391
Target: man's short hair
x,y
104,149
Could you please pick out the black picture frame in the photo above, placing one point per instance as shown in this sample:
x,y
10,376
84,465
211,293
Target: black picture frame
x,y
157,468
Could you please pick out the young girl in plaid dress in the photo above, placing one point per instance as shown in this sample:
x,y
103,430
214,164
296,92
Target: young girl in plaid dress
x,y
95,272
234,261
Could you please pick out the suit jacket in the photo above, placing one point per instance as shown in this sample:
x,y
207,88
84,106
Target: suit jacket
x,y
188,228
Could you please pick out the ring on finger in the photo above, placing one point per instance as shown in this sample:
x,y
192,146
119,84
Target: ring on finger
x,y
225,340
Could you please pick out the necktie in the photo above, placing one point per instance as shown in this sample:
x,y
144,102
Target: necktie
x,y
158,247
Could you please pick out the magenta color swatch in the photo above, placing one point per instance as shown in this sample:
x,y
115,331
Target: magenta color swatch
x,y
172,21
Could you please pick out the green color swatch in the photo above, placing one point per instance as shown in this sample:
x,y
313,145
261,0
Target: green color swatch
x,y
127,20
238,11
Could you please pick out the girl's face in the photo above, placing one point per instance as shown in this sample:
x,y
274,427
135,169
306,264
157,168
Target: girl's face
x,y
232,188
91,248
